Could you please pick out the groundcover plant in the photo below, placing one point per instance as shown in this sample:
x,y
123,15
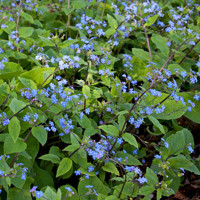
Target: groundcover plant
x,y
91,94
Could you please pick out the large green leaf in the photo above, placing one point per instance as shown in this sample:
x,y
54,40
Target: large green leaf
x,y
40,134
141,54
19,194
42,177
28,83
38,75
64,166
110,129
10,70
130,139
110,167
194,114
173,109
14,147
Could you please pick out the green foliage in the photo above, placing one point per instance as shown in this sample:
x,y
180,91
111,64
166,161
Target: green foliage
x,y
83,87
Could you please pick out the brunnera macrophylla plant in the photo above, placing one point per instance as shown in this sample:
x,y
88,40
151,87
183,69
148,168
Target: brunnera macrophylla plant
x,y
83,87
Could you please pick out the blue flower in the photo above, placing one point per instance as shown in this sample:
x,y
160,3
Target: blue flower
x,y
142,180
26,118
78,172
190,149
38,194
87,111
90,169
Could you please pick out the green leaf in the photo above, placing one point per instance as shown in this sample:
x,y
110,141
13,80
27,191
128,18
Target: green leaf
x,y
90,131
194,114
157,123
97,185
160,43
86,91
130,161
72,147
141,54
14,147
173,68
27,17
38,75
130,139
4,89
64,166
47,41
121,121
40,134
25,32
180,161
42,177
112,22
50,157
110,129
10,70
111,197
151,177
16,105
110,167
67,43
28,83
78,4
85,122
110,31
173,109
50,194
146,190
14,128
151,20
176,144
19,194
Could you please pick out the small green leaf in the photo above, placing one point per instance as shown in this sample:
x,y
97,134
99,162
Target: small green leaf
x,y
85,122
130,139
151,177
25,32
64,166
14,128
86,91
47,41
72,147
27,17
146,190
50,157
110,129
40,134
160,43
157,123
67,43
109,167
121,121
151,20
28,83
50,194
141,54
16,105
112,22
